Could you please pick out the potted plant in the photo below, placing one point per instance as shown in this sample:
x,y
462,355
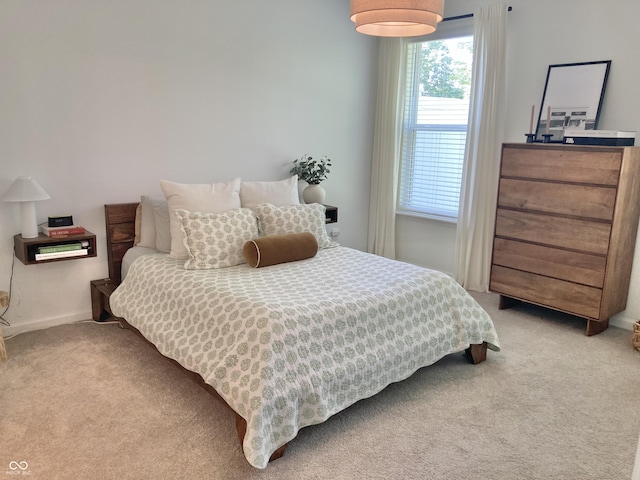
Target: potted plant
x,y
313,171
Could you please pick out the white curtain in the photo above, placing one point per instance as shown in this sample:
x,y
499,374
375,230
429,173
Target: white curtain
x,y
386,146
476,216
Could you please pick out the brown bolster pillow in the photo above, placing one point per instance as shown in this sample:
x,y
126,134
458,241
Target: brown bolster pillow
x,y
274,249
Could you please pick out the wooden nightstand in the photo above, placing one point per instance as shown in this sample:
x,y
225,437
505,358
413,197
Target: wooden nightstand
x,y
27,248
101,290
331,213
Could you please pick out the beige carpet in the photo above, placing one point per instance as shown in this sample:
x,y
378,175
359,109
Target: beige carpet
x,y
91,401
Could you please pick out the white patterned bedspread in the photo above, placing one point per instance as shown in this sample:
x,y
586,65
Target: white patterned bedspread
x,y
290,345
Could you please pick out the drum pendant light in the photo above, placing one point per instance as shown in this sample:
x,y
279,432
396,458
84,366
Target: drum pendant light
x,y
396,18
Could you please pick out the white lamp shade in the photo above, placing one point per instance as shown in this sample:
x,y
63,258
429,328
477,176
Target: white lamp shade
x,y
396,18
25,189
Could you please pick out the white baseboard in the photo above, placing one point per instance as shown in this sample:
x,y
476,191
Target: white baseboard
x,y
44,323
622,322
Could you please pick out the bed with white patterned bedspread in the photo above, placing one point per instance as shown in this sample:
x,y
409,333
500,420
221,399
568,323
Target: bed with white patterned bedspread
x,y
290,345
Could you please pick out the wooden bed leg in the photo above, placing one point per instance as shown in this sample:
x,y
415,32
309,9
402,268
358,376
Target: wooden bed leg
x,y
477,353
278,453
241,428
594,328
507,302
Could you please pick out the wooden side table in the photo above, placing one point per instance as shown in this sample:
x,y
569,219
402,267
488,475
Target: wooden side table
x,y
26,249
101,290
331,213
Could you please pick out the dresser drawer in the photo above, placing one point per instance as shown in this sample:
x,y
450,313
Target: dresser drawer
x,y
552,262
573,234
549,292
570,199
563,164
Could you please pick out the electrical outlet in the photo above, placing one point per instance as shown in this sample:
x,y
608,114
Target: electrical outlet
x,y
334,233
4,299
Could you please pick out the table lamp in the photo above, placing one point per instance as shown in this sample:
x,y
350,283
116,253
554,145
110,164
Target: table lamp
x,y
26,191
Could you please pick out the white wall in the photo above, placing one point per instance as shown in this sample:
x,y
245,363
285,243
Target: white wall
x,y
543,33
99,100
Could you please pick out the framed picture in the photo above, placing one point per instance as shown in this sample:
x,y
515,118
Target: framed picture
x,y
572,98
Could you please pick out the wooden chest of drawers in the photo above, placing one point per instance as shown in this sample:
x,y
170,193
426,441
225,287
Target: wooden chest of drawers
x,y
566,228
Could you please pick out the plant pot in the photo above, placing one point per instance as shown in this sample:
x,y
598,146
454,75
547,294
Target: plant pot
x,y
313,194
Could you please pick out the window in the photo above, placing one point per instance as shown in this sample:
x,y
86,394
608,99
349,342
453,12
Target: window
x,y
435,126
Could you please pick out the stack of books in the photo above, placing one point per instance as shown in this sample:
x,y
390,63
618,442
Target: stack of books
x,y
63,250
62,231
599,137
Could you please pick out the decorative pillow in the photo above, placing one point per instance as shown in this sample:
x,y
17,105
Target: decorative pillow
x,y
310,217
148,229
215,240
275,249
208,198
283,192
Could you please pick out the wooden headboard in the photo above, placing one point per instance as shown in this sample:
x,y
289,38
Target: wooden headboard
x,y
120,220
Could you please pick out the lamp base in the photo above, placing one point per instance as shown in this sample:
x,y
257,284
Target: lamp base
x,y
28,219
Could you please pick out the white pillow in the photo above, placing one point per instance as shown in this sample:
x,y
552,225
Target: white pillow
x,y
283,192
286,219
163,227
148,223
215,240
197,197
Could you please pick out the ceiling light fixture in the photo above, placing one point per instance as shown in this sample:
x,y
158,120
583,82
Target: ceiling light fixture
x,y
396,18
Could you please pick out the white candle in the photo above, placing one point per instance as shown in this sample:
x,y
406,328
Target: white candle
x,y
531,121
548,117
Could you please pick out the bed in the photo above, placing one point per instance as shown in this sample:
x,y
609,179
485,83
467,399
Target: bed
x,y
290,345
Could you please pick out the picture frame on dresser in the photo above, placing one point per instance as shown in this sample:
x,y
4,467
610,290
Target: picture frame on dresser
x,y
572,98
